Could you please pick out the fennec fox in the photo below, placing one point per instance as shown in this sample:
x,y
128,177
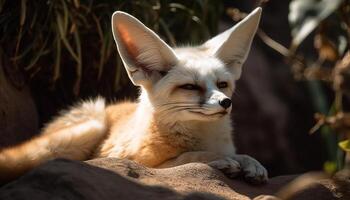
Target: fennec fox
x,y
182,116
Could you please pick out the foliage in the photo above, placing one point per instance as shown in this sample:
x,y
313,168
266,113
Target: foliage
x,y
306,15
53,39
345,145
328,20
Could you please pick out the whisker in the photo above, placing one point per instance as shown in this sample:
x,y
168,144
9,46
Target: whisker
x,y
174,110
166,106
177,103
192,106
175,107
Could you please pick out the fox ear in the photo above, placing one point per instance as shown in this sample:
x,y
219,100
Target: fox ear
x,y
145,56
233,45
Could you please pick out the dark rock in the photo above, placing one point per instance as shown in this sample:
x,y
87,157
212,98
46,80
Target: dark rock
x,y
64,179
111,178
18,116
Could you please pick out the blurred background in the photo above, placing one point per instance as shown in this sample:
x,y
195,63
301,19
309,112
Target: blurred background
x,y
290,107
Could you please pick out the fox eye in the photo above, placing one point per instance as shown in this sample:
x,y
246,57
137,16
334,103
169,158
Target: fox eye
x,y
222,84
190,87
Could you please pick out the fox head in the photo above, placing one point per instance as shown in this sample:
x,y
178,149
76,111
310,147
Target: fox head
x,y
188,83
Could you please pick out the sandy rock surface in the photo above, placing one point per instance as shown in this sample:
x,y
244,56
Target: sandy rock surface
x,y
111,178
193,177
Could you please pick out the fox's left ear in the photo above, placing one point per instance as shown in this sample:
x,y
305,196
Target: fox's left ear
x,y
145,55
233,45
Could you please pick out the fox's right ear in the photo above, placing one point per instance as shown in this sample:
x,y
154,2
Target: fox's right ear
x,y
145,56
233,45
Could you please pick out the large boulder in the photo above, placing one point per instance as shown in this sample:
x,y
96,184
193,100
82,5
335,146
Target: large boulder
x,y
18,115
111,178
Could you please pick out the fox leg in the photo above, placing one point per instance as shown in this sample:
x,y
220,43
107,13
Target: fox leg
x,y
227,165
231,166
73,142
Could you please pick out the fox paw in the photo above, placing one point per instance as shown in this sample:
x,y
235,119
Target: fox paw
x,y
228,166
253,171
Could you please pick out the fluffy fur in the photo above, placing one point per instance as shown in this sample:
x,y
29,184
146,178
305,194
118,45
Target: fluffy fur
x,y
180,116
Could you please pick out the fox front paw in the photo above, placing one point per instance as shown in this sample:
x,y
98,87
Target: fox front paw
x,y
228,166
253,171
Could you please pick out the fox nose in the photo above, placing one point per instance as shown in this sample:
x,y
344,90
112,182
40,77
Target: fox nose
x,y
225,103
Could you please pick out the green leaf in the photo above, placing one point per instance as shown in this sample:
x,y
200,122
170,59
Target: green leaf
x,y
57,65
37,55
330,167
23,12
345,145
62,32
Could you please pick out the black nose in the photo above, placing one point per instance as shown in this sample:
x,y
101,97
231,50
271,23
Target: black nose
x,y
225,103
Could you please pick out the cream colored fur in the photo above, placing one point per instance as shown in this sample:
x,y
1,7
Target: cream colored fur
x,y
172,124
